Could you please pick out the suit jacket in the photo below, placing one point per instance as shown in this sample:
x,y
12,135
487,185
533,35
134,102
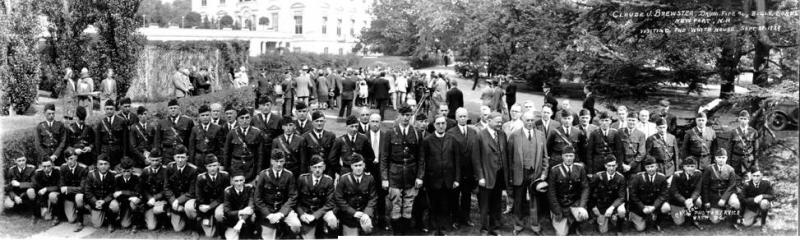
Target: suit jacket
x,y
380,88
169,134
72,180
274,194
599,146
131,188
462,151
211,192
23,176
643,192
180,186
630,149
684,187
551,126
305,128
293,154
41,180
271,128
548,98
348,87
343,147
517,144
351,197
234,202
312,145
401,162
489,157
153,183
441,169
455,100
205,142
50,140
373,161
567,190
315,200
608,192
94,189
588,104
750,191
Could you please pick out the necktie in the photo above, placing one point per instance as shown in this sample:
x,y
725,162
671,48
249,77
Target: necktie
x,y
213,179
567,130
463,131
353,139
278,174
205,128
568,170
289,139
175,120
652,178
375,142
180,171
80,127
126,180
49,124
405,132
358,180
101,177
757,185
530,133
316,181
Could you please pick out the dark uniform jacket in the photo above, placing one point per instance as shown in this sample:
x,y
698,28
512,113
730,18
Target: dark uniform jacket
x,y
588,104
227,126
131,188
630,149
270,126
50,140
141,139
314,144
547,130
153,183
343,147
73,180
462,151
179,185
169,133
274,194
441,169
663,149
110,136
718,183
352,197
684,187
203,141
567,189
291,149
696,145
598,147
42,180
742,143
94,189
750,191
243,152
307,126
583,141
314,200
401,163
559,140
23,176
237,201
644,192
608,192
211,192
130,118
348,87
672,121
80,136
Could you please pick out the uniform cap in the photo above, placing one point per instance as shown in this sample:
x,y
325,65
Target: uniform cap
x,y
50,106
356,158
316,159
352,119
243,112
404,110
720,152
744,113
109,102
172,102
141,110
568,150
317,115
301,106
124,101
209,159
648,160
204,108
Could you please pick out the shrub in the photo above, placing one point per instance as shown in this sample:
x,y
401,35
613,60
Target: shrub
x,y
279,62
422,62
19,69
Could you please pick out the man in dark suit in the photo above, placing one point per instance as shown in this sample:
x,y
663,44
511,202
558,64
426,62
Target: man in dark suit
x,y
206,138
301,123
275,197
209,193
19,190
348,88
346,145
402,170
244,149
268,122
455,99
217,115
315,203
153,182
378,139
288,85
491,169
50,137
125,111
181,178
380,91
441,172
567,194
45,183
444,110
111,133
355,198
562,137
99,190
630,149
317,141
757,197
528,167
684,193
546,124
290,143
663,112
602,142
700,142
173,130
609,190
549,98
648,196
239,209
465,140
80,139
72,176
127,195
363,119
141,138
588,102
230,119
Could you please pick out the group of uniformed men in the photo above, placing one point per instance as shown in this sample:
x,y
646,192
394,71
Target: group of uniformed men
x,y
230,171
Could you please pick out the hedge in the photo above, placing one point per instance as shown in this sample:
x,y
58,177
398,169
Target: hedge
x,y
279,62
23,139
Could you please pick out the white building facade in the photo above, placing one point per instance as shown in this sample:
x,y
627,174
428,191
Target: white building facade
x,y
319,26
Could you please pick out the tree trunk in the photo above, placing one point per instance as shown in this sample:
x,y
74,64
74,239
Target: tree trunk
x,y
727,64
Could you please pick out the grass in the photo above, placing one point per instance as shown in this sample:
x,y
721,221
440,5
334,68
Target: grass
x,y
17,225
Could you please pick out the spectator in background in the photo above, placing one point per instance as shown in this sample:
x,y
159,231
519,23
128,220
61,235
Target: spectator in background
x,y
288,86
68,94
401,88
348,87
511,93
240,79
108,87
303,85
588,103
647,127
324,90
202,82
380,89
548,98
85,89
455,99
183,87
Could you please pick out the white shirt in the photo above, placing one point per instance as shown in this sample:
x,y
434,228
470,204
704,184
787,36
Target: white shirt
x,y
404,130
493,133
648,128
439,135
376,139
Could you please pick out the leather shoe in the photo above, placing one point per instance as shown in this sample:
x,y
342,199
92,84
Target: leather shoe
x,y
516,232
424,230
764,229
494,233
697,225
133,229
56,222
79,228
537,233
658,228
111,228
736,227
484,233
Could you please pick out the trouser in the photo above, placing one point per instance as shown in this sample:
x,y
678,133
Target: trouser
x,y
462,200
270,231
703,161
439,208
123,209
741,163
246,231
679,212
72,205
420,211
28,197
717,213
401,99
490,202
288,105
381,106
526,204
98,215
152,214
640,220
475,85
347,107
209,219
562,226
750,214
602,221
667,168
402,202
309,230
185,211
47,203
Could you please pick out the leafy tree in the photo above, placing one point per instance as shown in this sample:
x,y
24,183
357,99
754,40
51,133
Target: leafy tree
x,y
19,69
164,14
193,19
226,21
119,43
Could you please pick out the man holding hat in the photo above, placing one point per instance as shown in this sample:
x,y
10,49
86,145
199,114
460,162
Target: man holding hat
x,y
718,188
402,169
239,209
127,195
141,138
45,183
743,145
301,123
684,193
18,183
153,181
181,178
699,142
757,197
206,138
527,170
210,193
275,196
568,193
80,139
50,136
318,141
356,198
290,144
111,134
243,150
99,190
173,131
315,203
648,196
71,182
125,111
663,147
346,145
602,143
609,189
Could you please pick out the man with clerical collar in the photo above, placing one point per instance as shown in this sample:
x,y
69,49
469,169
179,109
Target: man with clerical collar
x,y
206,138
356,198
568,195
275,197
609,190
441,172
50,136
318,141
648,197
315,203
